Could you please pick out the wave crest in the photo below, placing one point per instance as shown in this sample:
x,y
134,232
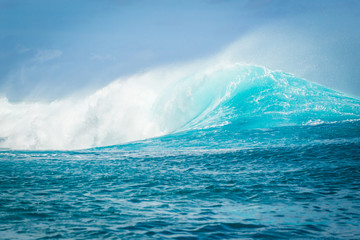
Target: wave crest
x,y
252,97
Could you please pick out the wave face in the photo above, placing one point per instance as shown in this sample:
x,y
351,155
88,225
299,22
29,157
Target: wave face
x,y
251,97
236,95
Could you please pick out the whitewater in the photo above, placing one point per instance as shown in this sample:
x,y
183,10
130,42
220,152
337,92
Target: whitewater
x,y
230,151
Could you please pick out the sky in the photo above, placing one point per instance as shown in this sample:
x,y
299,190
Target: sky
x,y
53,49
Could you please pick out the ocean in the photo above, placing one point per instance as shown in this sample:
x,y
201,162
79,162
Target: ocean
x,y
248,153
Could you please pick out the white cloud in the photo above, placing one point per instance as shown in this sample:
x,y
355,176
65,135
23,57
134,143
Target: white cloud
x,y
107,57
22,49
44,55
2,55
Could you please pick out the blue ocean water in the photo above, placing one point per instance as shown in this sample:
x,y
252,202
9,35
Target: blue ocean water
x,y
253,154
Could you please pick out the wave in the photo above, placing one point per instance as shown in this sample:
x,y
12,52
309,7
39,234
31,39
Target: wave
x,y
145,106
252,97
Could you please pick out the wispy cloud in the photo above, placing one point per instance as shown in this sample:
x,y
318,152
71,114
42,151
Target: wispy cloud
x,y
2,55
99,57
44,55
22,49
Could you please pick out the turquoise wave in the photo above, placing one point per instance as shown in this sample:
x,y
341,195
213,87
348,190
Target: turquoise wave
x,y
251,97
247,107
234,97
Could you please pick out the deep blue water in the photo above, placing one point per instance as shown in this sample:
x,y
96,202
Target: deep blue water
x,y
299,187
275,158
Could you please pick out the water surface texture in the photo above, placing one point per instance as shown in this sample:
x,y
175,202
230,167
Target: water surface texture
x,y
250,154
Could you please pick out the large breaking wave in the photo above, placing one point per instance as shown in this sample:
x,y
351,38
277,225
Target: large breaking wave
x,y
140,107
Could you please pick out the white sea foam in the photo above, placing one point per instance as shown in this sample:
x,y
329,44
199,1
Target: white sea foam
x,y
120,112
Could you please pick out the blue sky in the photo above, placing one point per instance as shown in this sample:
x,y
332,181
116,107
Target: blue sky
x,y
51,49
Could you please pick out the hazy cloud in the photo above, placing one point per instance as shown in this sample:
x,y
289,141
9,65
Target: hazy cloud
x,y
2,55
44,55
99,57
22,49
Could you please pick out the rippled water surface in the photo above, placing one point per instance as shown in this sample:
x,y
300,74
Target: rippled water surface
x,y
281,183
